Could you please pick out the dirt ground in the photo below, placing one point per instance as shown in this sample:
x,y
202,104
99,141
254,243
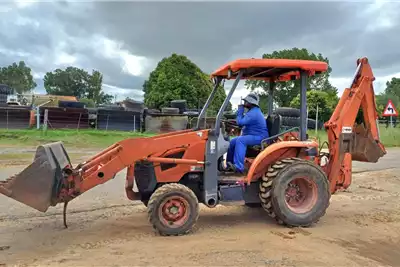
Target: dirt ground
x,y
361,228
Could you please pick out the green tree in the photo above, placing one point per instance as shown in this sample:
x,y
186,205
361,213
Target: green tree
x,y
286,91
263,102
391,92
325,102
176,77
71,82
94,90
77,82
393,87
18,77
105,98
89,103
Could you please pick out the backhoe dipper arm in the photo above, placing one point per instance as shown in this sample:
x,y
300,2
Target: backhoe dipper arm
x,y
348,141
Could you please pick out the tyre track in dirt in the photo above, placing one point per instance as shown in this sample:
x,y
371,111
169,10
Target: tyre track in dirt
x,y
234,236
361,228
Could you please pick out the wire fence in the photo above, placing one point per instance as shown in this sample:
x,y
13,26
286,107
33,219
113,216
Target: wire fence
x,y
118,120
16,118
64,118
106,120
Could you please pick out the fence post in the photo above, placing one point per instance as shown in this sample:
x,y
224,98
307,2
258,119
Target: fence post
x,y
45,119
7,120
37,118
316,122
79,120
108,116
134,123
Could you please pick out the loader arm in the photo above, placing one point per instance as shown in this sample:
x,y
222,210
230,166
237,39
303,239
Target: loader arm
x,y
347,140
51,179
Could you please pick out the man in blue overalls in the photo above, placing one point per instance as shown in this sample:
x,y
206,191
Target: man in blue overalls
x,y
254,130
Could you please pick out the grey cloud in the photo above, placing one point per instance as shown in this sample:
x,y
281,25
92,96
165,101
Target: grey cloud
x,y
212,33
208,33
40,45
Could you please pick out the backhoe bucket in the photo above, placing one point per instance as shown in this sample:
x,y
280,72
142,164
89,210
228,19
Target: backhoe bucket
x,y
38,185
365,148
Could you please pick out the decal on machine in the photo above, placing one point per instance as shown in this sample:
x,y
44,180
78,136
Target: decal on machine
x,y
212,147
196,168
347,129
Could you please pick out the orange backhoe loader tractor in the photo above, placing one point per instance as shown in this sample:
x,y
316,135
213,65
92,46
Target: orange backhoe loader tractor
x,y
174,172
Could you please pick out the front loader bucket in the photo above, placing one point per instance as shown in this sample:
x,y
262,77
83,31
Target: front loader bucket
x,y
38,185
365,148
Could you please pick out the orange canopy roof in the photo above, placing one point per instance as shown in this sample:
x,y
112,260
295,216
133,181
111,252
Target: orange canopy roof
x,y
267,69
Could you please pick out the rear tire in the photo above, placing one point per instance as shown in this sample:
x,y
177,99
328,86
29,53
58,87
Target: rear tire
x,y
173,209
295,192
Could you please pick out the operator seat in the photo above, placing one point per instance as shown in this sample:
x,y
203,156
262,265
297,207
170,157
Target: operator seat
x,y
274,126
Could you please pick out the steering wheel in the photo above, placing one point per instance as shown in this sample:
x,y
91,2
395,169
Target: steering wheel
x,y
233,127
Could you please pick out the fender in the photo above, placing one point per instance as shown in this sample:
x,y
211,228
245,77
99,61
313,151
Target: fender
x,y
275,152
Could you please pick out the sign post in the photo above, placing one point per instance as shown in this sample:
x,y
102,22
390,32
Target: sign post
x,y
390,111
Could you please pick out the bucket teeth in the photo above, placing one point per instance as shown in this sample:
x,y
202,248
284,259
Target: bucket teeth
x,y
9,180
5,185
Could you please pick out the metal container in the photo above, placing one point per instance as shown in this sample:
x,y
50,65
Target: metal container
x,y
163,123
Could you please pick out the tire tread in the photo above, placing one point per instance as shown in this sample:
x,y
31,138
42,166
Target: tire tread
x,y
266,185
158,194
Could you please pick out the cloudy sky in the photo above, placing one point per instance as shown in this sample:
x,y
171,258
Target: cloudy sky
x,y
126,39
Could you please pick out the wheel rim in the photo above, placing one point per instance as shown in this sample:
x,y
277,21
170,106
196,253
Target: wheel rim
x,y
301,195
174,211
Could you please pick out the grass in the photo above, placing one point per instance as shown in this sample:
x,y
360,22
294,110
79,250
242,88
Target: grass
x,y
74,138
321,135
390,137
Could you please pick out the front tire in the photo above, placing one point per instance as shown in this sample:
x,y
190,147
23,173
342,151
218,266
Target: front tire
x,y
173,209
295,192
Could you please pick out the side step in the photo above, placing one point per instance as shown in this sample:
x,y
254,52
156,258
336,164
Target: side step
x,y
230,179
231,194
232,191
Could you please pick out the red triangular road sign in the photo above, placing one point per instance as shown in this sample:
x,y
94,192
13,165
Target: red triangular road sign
x,y
390,110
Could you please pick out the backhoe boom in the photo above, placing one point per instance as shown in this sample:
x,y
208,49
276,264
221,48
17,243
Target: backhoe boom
x,y
347,140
